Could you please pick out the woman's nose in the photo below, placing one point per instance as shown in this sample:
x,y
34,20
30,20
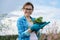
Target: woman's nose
x,y
28,11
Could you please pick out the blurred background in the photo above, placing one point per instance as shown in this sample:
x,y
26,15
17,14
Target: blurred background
x,y
10,10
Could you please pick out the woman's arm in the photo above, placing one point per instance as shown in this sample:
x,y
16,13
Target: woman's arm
x,y
21,31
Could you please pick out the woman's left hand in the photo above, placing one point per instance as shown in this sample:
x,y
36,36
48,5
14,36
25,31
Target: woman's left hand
x,y
36,27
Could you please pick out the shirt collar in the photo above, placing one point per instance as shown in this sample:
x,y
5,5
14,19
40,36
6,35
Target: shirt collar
x,y
25,18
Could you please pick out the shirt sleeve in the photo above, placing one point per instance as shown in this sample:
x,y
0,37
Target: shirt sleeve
x,y
21,31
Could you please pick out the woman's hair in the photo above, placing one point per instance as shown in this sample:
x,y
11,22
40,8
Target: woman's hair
x,y
28,3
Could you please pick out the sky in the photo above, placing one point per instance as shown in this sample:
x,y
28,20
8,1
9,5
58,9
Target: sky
x,y
46,8
49,9
10,5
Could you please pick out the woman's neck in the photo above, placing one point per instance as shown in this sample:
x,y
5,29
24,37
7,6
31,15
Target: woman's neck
x,y
27,17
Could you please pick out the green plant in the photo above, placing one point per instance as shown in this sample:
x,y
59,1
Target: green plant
x,y
38,20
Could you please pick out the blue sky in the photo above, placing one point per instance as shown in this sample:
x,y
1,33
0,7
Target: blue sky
x,y
45,6
10,5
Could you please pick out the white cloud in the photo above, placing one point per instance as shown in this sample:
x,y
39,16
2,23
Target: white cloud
x,y
15,13
9,26
46,12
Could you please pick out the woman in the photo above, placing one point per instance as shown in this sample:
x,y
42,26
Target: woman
x,y
25,25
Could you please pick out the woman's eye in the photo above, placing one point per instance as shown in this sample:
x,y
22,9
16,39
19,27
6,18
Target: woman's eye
x,y
27,8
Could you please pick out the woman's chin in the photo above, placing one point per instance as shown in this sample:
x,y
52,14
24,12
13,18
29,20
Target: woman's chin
x,y
27,15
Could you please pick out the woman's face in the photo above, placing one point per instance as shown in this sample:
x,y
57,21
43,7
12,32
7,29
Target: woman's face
x,y
27,10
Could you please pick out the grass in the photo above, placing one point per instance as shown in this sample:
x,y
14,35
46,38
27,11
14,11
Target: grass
x,y
9,37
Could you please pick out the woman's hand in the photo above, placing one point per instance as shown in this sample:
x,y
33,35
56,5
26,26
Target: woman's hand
x,y
36,27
